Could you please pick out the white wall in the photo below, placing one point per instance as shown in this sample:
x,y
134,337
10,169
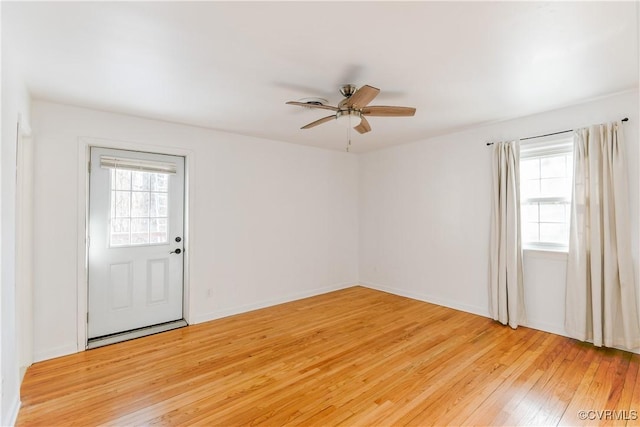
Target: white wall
x,y
15,107
274,221
270,221
425,214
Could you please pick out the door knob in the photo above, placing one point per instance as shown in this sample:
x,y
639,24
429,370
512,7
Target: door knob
x,y
177,251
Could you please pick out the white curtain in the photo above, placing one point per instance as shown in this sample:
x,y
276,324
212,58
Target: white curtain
x,y
506,290
600,296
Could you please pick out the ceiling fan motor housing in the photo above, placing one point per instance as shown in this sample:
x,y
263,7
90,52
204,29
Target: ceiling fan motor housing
x,y
348,90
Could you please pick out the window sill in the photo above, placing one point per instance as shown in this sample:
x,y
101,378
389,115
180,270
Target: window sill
x,y
559,254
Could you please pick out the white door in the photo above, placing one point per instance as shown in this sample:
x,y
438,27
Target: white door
x,y
136,210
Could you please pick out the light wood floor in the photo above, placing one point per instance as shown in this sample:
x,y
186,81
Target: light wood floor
x,y
352,357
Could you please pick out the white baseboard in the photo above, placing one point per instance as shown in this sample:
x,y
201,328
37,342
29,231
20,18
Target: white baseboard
x,y
484,312
12,414
533,324
205,317
480,311
22,371
546,327
52,353
218,314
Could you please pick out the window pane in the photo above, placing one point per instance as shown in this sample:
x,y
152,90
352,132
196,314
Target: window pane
x,y
530,232
552,212
530,169
555,187
158,230
140,204
140,181
529,212
545,180
123,179
553,233
529,188
119,231
553,167
159,182
158,205
123,204
139,231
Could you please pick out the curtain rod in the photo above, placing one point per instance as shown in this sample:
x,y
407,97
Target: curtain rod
x,y
626,119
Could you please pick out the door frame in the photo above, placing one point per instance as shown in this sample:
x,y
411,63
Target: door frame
x,y
24,245
84,155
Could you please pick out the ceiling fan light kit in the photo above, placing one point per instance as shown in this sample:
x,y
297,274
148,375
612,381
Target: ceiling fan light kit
x,y
353,109
349,118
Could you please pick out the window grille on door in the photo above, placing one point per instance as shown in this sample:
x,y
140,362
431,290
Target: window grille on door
x,y
139,201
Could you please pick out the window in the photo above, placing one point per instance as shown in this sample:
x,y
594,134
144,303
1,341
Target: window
x,y
139,208
546,175
139,205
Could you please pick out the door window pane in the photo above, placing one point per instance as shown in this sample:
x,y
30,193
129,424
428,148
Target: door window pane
x,y
120,231
157,230
140,181
139,209
139,231
123,179
159,182
122,204
158,205
139,204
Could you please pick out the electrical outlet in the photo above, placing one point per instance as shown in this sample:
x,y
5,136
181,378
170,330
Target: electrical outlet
x,y
209,293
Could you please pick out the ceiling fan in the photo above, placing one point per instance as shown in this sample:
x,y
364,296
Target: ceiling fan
x,y
355,106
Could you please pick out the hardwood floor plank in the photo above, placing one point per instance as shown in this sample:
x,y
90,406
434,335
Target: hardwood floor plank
x,y
351,357
617,376
487,405
632,380
462,397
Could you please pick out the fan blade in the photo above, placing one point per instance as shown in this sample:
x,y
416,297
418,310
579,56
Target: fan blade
x,y
308,105
386,111
319,122
363,127
362,97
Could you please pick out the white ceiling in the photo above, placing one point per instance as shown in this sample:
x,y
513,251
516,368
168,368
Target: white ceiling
x,y
232,65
